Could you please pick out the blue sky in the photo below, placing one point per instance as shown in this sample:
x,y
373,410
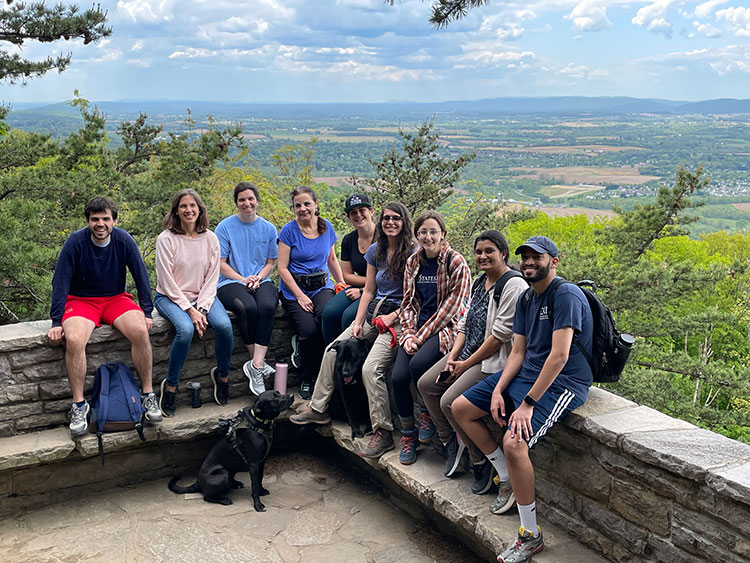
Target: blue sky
x,y
368,51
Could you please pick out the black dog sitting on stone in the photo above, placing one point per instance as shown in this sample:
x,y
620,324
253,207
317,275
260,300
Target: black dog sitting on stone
x,y
239,449
350,399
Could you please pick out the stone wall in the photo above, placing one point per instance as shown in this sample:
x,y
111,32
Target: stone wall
x,y
628,481
34,389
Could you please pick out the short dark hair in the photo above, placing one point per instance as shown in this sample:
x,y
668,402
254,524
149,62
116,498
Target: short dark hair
x,y
244,186
497,239
172,219
99,203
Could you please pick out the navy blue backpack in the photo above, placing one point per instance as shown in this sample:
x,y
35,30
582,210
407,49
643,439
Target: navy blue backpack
x,y
115,403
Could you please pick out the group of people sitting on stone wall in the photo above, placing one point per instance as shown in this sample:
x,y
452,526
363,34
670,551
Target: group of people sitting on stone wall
x,y
462,350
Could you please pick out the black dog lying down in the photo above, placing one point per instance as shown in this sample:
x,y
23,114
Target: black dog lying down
x,y
239,449
351,396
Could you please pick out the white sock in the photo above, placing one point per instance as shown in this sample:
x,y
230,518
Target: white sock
x,y
497,459
527,512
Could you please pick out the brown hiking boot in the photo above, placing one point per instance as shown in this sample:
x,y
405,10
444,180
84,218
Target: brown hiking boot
x,y
310,416
381,442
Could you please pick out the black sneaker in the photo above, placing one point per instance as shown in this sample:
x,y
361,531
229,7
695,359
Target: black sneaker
x,y
452,452
305,391
482,478
167,400
221,389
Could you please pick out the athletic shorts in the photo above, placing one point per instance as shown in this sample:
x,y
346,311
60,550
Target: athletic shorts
x,y
551,407
99,309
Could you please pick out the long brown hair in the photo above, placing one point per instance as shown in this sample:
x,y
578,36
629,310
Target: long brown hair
x,y
322,226
404,245
172,218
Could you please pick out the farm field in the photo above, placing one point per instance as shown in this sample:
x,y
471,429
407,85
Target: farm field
x,y
589,174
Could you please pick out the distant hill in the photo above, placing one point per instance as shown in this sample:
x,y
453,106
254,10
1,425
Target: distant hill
x,y
60,118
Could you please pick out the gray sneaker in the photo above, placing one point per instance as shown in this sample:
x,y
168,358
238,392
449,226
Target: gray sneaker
x,y
524,548
255,375
151,406
505,498
380,442
310,416
79,419
267,370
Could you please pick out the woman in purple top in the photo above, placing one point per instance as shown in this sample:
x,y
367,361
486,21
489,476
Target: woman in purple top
x,y
306,261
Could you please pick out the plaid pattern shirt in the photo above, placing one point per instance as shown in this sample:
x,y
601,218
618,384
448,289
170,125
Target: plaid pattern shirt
x,y
453,285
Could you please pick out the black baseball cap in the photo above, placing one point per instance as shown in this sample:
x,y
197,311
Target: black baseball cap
x,y
542,245
356,200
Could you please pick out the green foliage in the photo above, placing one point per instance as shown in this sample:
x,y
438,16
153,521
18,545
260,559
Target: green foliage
x,y
445,11
21,22
416,174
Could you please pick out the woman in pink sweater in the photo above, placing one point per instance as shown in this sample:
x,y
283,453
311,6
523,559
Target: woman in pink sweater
x,y
187,270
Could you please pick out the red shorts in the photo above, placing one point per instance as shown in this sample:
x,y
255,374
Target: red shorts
x,y
99,309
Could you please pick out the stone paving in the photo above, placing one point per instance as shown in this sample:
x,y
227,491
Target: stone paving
x,y
316,512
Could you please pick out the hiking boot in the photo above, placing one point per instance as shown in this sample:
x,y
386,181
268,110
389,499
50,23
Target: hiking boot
x,y
255,375
310,416
426,427
295,359
221,389
381,442
525,547
79,419
505,498
409,445
167,400
482,478
452,452
305,390
151,406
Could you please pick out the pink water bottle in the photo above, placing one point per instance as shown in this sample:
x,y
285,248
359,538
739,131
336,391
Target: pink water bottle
x,y
279,378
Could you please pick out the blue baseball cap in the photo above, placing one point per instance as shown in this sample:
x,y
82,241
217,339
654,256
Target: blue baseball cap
x,y
542,245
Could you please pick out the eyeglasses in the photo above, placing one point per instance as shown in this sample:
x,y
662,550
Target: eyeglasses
x,y
432,233
392,218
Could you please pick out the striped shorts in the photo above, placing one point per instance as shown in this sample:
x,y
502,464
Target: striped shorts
x,y
550,408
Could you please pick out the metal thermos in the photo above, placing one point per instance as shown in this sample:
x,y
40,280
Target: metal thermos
x,y
280,377
195,394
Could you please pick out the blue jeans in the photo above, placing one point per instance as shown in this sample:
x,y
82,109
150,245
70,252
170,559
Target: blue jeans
x,y
183,326
338,314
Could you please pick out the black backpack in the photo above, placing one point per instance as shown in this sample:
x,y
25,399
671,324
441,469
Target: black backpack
x,y
499,284
610,347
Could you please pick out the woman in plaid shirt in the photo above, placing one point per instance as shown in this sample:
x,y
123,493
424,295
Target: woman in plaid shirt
x,y
437,280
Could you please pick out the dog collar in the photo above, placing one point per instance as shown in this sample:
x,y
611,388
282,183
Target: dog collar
x,y
258,423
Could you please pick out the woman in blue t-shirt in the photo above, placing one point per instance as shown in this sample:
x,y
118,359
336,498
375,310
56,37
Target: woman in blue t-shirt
x,y
341,310
436,284
306,261
248,255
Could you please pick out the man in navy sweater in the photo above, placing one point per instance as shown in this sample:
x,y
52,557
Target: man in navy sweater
x,y
88,289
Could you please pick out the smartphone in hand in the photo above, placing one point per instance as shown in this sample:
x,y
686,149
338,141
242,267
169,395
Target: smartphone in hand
x,y
445,374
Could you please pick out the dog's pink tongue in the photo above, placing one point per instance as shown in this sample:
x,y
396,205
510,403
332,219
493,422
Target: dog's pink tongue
x,y
348,379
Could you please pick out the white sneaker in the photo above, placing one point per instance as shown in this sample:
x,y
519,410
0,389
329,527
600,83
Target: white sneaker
x,y
255,375
79,419
151,406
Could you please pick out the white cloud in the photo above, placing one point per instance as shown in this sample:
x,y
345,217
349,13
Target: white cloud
x,y
723,60
589,15
738,20
653,17
706,8
137,45
707,30
148,11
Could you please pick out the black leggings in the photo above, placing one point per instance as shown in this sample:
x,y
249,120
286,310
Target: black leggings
x,y
254,311
309,332
410,368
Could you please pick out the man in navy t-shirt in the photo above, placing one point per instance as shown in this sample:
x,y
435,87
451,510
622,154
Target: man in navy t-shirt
x,y
88,289
546,376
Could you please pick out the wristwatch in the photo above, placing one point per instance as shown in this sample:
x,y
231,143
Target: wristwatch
x,y
529,400
203,311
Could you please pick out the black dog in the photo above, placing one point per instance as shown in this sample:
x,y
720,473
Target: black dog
x,y
239,449
347,377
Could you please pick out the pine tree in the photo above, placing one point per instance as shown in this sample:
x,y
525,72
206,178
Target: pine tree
x,y
23,22
446,11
